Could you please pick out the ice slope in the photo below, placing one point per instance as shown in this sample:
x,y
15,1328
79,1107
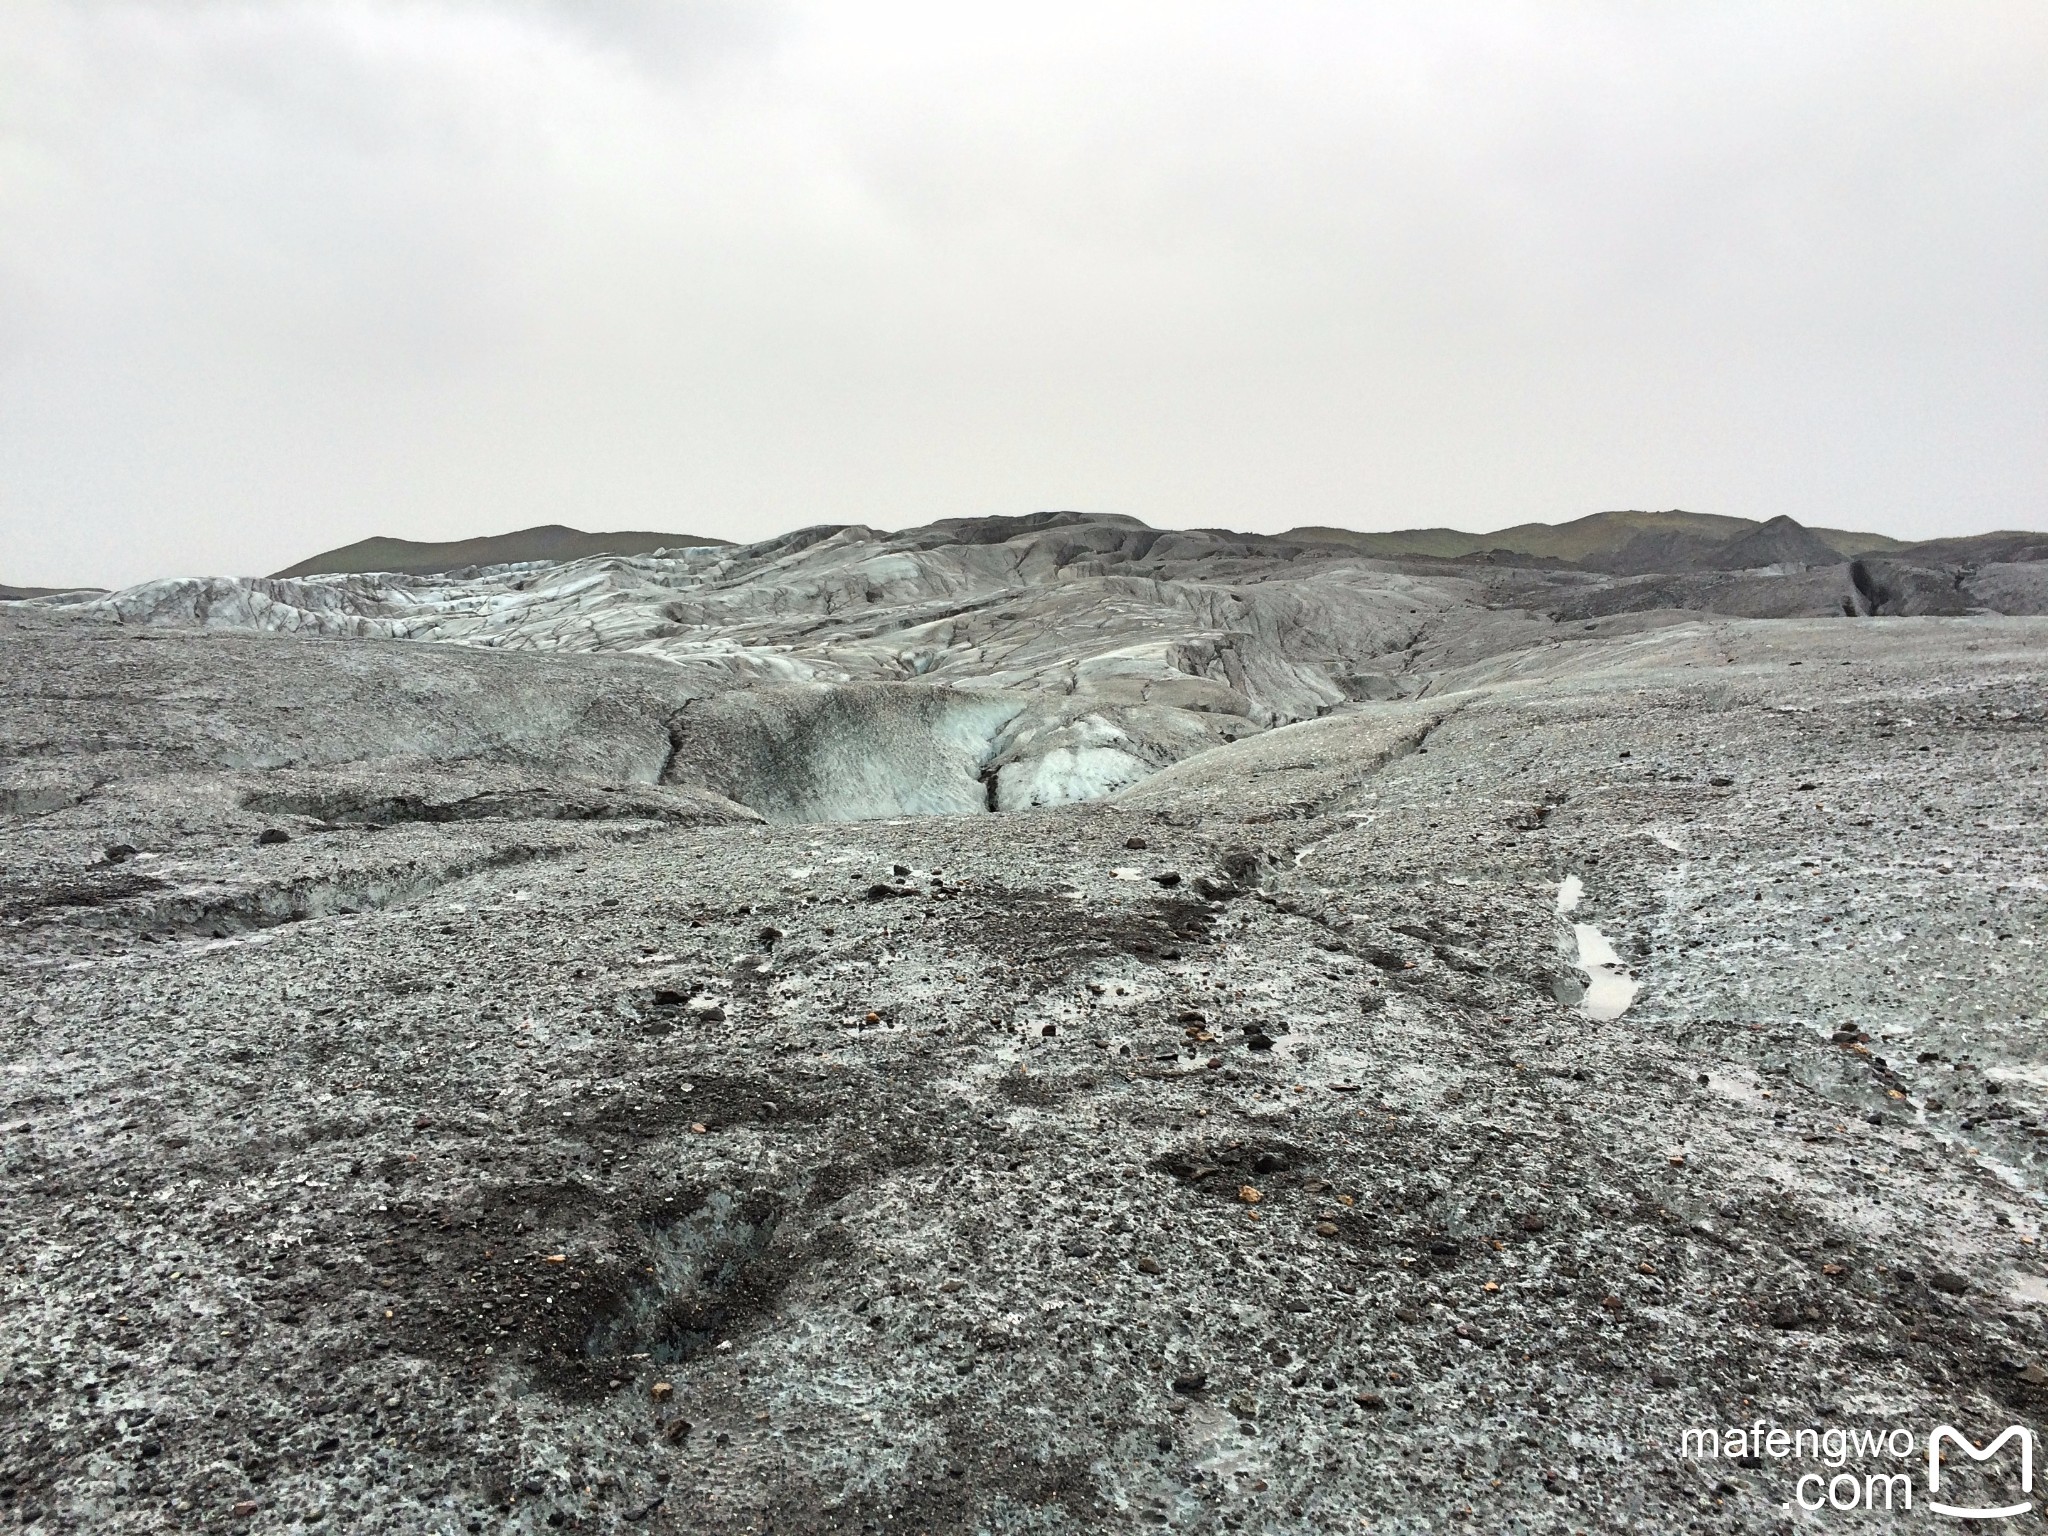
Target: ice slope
x,y
1116,649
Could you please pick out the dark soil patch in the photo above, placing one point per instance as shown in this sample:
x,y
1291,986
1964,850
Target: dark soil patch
x,y
24,901
662,1279
1056,935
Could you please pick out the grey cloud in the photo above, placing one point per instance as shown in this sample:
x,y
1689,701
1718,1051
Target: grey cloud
x,y
274,277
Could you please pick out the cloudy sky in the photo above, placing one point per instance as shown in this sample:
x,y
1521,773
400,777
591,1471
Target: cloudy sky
x,y
276,276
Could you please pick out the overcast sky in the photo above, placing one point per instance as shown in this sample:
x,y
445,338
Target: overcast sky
x,y
276,276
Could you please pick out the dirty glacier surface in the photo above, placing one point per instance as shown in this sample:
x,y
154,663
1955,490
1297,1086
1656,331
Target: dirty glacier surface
x,y
570,1047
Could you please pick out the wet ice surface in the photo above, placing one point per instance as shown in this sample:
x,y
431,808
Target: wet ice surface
x,y
1609,987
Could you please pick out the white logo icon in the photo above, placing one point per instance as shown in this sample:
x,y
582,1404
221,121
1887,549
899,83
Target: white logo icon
x,y
1962,1443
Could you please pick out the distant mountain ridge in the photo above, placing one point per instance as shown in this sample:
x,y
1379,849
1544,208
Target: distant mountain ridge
x,y
551,541
1623,543
1627,541
16,594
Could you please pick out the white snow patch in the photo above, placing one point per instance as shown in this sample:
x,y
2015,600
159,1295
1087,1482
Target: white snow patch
x,y
1609,987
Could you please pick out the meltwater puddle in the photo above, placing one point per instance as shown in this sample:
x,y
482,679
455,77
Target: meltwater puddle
x,y
1609,987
